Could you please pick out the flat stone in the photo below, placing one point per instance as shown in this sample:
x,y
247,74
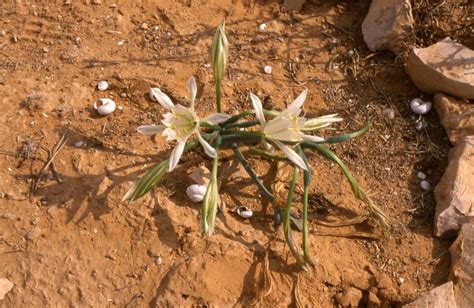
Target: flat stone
x,y
349,298
454,193
439,297
387,24
445,67
462,266
456,115
5,287
293,5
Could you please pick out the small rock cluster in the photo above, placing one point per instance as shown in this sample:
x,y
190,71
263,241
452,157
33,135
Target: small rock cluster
x,y
445,70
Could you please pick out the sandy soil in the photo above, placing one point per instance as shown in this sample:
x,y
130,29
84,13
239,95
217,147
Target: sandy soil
x,y
76,244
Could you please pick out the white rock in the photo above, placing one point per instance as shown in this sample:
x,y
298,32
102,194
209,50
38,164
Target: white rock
x,y
102,85
454,193
425,185
445,67
196,192
104,106
262,27
439,297
418,106
387,25
267,69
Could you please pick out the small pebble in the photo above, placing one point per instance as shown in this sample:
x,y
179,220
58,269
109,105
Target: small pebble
x,y
351,52
123,95
144,26
102,85
120,108
389,113
262,27
267,69
79,144
421,175
421,125
425,185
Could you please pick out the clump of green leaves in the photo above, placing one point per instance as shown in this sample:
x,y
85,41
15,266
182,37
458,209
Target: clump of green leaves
x,y
268,131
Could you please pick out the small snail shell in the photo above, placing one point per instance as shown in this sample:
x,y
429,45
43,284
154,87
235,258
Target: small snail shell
x,y
262,27
104,106
267,69
102,85
421,175
418,106
425,185
196,192
422,124
244,212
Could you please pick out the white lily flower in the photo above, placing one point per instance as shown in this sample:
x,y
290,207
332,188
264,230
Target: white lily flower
x,y
289,126
181,123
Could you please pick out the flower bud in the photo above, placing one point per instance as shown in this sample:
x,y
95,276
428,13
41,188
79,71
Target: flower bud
x,y
219,53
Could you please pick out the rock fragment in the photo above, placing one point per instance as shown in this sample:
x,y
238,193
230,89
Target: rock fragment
x,y
454,193
387,24
350,298
5,287
442,296
456,115
462,266
445,67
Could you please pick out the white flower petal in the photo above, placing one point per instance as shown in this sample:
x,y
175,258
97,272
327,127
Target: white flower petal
x,y
210,151
192,90
257,105
176,155
216,118
162,98
296,105
150,129
291,154
311,138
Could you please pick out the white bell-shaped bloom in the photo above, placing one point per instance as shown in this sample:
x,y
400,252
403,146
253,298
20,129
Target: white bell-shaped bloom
x,y
180,123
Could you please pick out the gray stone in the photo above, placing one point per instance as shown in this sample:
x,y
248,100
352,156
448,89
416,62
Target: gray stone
x,y
462,266
456,115
454,193
387,25
445,67
439,297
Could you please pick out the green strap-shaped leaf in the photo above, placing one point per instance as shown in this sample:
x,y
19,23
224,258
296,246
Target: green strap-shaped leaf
x,y
147,181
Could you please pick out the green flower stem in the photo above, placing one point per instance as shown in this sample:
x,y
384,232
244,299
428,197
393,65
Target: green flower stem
x,y
246,113
218,95
209,204
242,124
348,136
229,139
264,154
252,134
265,192
307,181
286,220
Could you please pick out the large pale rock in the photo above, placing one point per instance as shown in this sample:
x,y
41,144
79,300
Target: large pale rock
x,y
439,297
454,193
462,266
293,5
387,25
5,287
446,67
456,115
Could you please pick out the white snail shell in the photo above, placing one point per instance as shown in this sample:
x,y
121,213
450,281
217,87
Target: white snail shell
x,y
425,185
104,106
421,175
262,27
421,125
418,106
152,94
268,69
102,85
244,212
196,192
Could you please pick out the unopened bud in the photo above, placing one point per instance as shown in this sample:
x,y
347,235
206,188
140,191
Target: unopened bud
x,y
219,53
